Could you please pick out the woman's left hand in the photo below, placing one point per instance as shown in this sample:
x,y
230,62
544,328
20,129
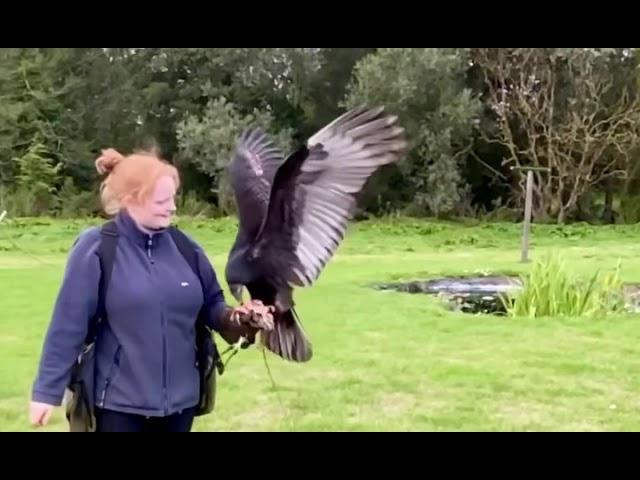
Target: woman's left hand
x,y
255,314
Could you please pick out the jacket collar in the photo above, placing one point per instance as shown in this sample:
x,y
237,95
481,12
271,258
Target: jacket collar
x,y
128,227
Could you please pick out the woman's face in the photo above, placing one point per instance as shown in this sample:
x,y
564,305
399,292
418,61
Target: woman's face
x,y
157,212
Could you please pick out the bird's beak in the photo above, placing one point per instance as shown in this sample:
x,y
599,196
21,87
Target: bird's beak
x,y
236,291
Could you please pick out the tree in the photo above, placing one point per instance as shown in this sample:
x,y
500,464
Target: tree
x,y
426,88
209,141
31,102
75,101
566,110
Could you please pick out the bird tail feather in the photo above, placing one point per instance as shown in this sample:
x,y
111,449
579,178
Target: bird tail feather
x,y
288,339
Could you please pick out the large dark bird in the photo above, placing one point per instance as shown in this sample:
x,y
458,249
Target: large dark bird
x,y
293,213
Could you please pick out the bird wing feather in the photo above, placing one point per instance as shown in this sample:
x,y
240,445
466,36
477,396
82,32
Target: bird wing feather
x,y
255,162
313,197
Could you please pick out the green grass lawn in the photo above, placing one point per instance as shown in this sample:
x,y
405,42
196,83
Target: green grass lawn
x,y
383,360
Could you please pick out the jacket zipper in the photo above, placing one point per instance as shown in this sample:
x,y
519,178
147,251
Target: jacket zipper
x,y
164,366
164,341
149,244
104,393
116,363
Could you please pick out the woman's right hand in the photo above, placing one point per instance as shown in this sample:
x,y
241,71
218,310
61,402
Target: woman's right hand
x,y
40,413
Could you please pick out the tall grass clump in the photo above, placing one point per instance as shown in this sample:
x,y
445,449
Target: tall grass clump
x,y
550,289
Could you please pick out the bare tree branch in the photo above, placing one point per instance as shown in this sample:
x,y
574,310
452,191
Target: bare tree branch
x,y
561,109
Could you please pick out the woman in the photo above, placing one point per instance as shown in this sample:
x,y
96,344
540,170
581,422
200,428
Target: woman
x,y
146,374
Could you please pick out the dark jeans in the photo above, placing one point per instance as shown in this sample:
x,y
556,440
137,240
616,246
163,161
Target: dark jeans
x,y
111,421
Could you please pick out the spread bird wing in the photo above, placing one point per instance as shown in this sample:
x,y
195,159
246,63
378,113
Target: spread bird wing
x,y
314,193
254,164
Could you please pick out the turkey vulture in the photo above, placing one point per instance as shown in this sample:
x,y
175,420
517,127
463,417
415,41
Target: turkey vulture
x,y
293,212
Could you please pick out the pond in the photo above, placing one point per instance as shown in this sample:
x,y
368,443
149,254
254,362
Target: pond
x,y
481,294
467,294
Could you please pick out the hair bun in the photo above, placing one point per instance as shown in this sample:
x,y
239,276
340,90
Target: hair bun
x,y
109,159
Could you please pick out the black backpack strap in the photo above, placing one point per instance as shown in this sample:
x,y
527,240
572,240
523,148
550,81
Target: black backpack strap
x,y
106,254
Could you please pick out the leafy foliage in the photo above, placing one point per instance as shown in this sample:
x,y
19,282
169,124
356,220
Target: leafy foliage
x,y
550,290
189,103
426,88
208,141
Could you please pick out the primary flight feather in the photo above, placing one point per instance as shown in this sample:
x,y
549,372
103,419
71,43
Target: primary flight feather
x,y
293,213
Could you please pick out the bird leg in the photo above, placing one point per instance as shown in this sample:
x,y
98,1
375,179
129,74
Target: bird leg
x,y
235,348
260,318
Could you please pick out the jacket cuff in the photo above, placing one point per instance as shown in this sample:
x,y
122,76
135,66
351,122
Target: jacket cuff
x,y
48,398
218,316
231,331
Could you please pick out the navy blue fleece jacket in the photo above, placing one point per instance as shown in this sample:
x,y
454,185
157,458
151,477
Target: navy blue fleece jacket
x,y
145,354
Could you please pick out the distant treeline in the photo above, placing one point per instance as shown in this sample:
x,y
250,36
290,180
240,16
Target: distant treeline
x,y
471,115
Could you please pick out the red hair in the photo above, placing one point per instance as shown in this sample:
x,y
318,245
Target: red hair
x,y
130,179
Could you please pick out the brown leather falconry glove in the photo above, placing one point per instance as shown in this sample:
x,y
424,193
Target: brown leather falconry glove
x,y
245,321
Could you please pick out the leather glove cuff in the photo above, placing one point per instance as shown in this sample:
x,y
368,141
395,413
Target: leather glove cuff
x,y
231,331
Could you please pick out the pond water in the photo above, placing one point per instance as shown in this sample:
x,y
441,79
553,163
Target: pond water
x,y
468,294
481,294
